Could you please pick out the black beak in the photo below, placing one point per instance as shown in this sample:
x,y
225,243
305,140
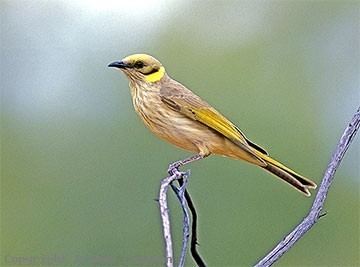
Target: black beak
x,y
118,64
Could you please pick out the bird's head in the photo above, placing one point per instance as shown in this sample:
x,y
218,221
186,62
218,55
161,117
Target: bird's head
x,y
140,68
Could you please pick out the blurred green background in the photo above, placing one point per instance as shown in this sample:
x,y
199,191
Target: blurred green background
x,y
79,171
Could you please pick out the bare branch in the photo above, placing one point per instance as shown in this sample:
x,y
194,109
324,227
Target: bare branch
x,y
164,212
185,202
315,211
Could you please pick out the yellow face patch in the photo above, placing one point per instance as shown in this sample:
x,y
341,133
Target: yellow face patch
x,y
156,76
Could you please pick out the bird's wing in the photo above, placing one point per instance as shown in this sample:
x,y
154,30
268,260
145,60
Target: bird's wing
x,y
179,98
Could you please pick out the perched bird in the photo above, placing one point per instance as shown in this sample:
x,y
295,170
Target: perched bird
x,y
174,113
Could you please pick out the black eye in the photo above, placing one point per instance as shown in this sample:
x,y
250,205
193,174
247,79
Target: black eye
x,y
138,64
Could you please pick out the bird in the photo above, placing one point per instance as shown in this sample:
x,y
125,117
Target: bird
x,y
177,115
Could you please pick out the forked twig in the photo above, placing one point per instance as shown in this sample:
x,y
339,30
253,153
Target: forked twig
x,y
185,202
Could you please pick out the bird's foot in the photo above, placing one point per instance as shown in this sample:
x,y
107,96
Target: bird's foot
x,y
174,167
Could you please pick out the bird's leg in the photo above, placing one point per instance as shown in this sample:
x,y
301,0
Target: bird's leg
x,y
173,167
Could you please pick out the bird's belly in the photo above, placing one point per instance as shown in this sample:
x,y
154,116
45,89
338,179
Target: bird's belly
x,y
178,130
175,127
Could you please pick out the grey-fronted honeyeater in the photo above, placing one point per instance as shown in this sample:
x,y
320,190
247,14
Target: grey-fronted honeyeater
x,y
174,113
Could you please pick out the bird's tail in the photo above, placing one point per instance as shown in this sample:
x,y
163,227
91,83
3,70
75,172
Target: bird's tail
x,y
296,180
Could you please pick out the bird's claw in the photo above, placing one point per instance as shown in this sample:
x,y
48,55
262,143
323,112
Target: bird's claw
x,y
174,167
